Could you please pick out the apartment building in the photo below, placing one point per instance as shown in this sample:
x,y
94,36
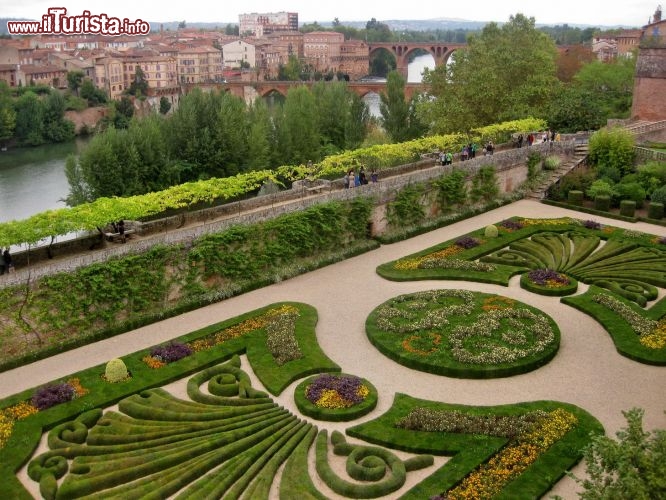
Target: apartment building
x,y
322,49
109,76
263,24
159,72
199,64
238,53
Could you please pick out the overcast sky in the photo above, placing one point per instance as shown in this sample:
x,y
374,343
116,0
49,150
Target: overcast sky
x,y
631,13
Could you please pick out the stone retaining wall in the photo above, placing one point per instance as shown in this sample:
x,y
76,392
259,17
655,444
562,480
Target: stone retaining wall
x,y
510,166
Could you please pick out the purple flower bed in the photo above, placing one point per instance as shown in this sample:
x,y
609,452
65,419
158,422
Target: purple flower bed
x,y
467,242
51,395
170,352
346,387
511,224
592,224
544,277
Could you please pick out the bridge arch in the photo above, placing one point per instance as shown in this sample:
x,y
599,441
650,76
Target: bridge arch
x,y
441,52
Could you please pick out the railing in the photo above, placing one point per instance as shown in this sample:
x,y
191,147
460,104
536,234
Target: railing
x,y
649,154
649,127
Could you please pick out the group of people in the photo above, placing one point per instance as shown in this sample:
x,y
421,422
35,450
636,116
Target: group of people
x,y
546,136
352,179
6,264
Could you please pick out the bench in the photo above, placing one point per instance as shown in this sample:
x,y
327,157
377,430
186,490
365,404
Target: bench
x,y
116,237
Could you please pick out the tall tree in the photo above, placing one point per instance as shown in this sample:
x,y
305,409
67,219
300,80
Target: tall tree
x,y
29,119
139,85
394,108
505,73
300,127
56,127
259,137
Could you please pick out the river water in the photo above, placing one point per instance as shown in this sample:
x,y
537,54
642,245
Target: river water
x,y
33,180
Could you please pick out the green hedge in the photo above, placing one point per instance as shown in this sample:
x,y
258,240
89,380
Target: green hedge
x,y
575,197
655,210
560,291
627,208
602,202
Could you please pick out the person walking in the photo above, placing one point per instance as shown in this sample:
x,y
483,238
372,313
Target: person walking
x,y
7,260
351,179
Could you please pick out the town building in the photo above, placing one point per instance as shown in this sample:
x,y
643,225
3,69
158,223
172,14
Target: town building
x,y
322,49
263,24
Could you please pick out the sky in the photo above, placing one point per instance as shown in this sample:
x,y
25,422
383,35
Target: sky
x,y
630,13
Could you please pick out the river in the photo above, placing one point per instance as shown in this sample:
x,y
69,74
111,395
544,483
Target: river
x,y
33,180
414,75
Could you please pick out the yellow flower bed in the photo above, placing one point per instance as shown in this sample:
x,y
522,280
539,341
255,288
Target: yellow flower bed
x,y
657,338
489,479
410,264
547,222
10,415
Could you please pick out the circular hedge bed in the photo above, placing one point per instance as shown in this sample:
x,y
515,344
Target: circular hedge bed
x,y
335,397
548,282
464,334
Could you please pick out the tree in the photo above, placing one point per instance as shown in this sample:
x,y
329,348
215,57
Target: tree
x,y
139,85
394,108
571,60
92,94
74,80
505,73
7,113
633,467
165,105
231,30
300,135
611,84
56,127
124,111
259,137
290,71
29,120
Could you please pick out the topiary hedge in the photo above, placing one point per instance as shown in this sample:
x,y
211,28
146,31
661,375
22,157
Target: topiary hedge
x,y
655,210
627,208
342,414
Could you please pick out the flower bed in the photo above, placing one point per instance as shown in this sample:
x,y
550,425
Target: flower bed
x,y
548,282
335,397
464,334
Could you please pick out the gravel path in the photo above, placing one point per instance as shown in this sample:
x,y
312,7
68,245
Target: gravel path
x,y
587,370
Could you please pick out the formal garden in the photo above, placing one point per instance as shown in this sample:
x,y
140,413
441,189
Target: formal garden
x,y
114,431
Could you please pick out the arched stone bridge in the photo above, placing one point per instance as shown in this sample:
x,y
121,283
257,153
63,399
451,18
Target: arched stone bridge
x,y
250,90
401,50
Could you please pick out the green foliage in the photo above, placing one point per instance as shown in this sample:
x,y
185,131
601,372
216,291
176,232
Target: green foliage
x,y
659,195
533,162
407,208
602,202
491,231
398,115
600,187
655,210
74,80
7,113
510,83
484,185
165,105
631,191
451,189
652,175
550,163
627,208
612,148
29,120
116,371
633,466
579,180
575,197
92,94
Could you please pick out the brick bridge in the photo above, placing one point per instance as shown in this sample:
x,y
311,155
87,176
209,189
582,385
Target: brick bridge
x,y
401,50
252,90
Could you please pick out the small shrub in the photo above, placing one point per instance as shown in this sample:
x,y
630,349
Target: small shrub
x,y
551,163
52,395
600,187
575,197
602,202
627,208
170,352
592,224
467,242
631,191
533,160
655,210
116,371
512,225
491,231
659,195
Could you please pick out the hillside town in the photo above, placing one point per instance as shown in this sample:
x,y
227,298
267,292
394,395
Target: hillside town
x,y
266,42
